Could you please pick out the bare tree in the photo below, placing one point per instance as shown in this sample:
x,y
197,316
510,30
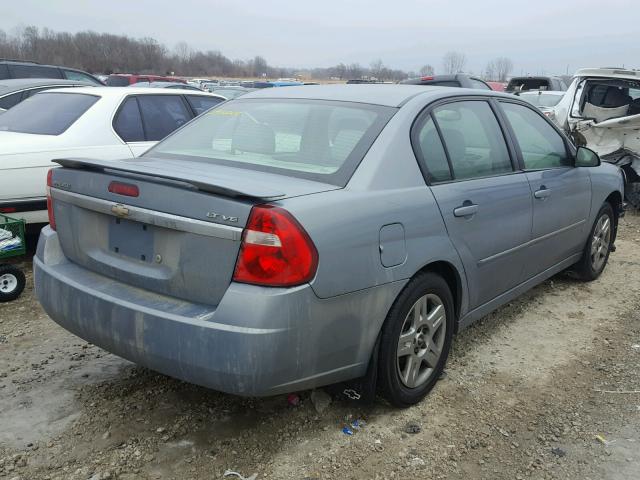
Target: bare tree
x,y
183,51
454,62
354,70
377,69
427,70
490,71
504,66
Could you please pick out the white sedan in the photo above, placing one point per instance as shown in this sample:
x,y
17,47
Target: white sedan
x,y
94,122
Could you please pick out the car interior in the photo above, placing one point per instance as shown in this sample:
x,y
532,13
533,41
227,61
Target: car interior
x,y
606,99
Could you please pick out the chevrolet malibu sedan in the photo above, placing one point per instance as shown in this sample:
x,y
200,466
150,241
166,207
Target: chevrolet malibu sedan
x,y
99,122
307,236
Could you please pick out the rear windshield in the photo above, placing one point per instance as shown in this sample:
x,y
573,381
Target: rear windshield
x,y
116,81
524,84
312,139
46,113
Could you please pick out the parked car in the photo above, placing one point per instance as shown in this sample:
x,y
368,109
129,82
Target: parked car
x,y
544,100
497,86
175,85
601,110
11,69
125,79
459,80
310,235
97,122
523,84
13,92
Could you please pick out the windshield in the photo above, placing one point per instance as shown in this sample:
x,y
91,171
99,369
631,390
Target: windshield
x,y
311,139
46,113
542,99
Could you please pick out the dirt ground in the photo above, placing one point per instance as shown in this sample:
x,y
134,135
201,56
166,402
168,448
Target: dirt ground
x,y
546,387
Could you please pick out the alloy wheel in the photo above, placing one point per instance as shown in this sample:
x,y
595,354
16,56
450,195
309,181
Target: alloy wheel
x,y
600,242
421,340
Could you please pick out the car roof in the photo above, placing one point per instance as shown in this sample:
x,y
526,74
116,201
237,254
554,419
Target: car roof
x,y
626,74
17,84
112,92
391,95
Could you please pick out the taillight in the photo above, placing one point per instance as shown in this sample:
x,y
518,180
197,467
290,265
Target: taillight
x,y
125,189
275,251
52,218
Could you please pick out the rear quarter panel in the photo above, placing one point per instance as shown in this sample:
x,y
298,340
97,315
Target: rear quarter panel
x,y
387,188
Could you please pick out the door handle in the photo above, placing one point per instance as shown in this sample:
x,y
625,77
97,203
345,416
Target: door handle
x,y
465,210
543,193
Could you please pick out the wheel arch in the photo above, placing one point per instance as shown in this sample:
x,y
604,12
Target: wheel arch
x,y
452,276
615,200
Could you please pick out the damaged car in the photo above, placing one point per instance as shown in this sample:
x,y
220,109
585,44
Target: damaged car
x,y
601,110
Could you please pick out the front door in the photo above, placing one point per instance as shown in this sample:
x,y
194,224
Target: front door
x,y
561,193
484,201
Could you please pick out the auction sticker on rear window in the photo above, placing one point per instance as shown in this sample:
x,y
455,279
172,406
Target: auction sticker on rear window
x,y
227,113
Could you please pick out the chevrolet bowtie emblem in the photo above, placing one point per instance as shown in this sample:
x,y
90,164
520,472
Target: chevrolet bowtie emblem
x,y
120,210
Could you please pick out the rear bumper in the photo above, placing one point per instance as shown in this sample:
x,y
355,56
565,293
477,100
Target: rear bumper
x,y
257,341
31,210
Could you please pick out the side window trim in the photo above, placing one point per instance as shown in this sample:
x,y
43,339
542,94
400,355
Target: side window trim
x,y
144,123
444,147
567,147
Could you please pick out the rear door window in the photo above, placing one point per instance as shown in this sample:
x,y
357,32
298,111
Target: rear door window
x,y
46,113
10,100
33,71
201,104
128,122
473,139
541,146
162,114
4,72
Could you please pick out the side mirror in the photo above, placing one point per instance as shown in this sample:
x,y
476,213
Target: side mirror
x,y
585,157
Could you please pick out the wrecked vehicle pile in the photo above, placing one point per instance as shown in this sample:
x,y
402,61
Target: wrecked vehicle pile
x,y
601,110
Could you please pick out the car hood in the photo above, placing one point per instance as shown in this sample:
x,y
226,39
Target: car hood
x,y
611,135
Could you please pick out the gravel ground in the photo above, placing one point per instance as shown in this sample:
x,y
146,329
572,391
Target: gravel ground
x,y
546,387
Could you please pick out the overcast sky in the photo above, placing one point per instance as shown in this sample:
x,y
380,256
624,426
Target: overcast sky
x,y
540,37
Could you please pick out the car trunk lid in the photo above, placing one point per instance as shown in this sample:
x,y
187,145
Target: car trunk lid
x,y
179,236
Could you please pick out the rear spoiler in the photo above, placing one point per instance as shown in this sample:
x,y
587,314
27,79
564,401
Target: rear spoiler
x,y
221,181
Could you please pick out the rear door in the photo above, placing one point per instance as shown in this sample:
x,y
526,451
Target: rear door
x,y
561,193
485,202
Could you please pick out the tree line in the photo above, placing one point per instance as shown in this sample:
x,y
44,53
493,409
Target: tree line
x,y
107,53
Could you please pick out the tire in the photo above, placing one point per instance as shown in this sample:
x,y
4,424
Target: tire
x,y
399,381
588,269
12,283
